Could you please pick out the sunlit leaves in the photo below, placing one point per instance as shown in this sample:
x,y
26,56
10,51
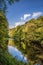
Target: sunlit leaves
x,y
3,30
29,39
5,57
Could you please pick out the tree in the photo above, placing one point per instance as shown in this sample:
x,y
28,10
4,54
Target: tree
x,y
3,30
3,4
5,57
31,40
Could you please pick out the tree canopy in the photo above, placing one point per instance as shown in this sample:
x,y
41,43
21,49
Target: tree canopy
x,y
3,30
5,57
4,3
29,39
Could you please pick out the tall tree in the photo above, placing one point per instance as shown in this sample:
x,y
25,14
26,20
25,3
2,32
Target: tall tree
x,y
3,30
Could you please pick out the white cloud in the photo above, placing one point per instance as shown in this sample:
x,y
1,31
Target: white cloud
x,y
19,23
36,14
11,26
16,24
25,16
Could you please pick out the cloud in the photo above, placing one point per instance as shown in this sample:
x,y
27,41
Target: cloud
x,y
25,16
19,23
36,14
16,24
11,26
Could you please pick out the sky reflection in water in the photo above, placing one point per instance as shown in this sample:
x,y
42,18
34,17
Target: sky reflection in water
x,y
16,53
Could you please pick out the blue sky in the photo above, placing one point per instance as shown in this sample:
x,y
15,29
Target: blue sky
x,y
21,11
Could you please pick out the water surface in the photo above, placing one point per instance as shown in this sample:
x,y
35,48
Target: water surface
x,y
15,52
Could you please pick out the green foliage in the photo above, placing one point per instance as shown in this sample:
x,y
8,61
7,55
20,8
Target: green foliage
x,y
29,39
3,4
5,57
3,30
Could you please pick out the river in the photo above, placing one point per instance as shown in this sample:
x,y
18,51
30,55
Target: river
x,y
15,52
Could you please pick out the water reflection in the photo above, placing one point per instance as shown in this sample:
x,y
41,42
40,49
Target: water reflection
x,y
14,51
